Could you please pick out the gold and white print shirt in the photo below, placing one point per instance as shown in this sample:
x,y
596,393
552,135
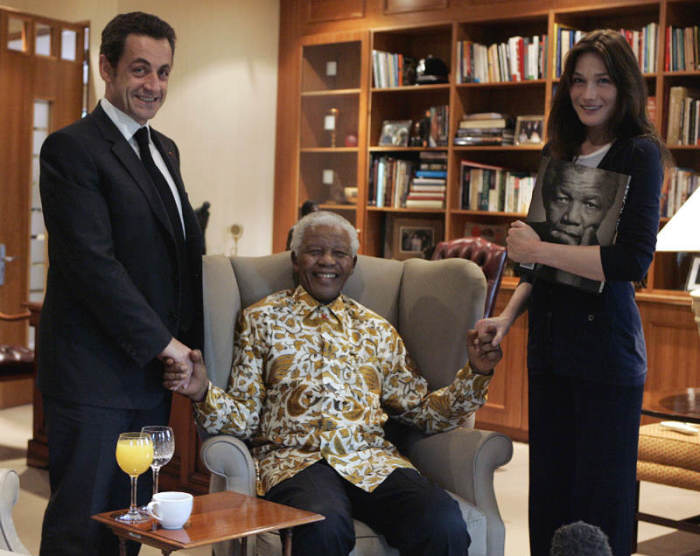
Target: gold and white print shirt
x,y
312,381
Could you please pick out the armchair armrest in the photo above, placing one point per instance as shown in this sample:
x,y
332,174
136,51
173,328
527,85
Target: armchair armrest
x,y
463,461
230,463
9,492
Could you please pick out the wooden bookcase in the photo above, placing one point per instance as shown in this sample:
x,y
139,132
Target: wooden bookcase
x,y
347,32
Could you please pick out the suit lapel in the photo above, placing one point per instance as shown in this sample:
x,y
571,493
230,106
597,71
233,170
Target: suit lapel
x,y
128,158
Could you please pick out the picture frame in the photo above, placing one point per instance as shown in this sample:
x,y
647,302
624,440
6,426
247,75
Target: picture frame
x,y
410,237
529,130
395,133
693,281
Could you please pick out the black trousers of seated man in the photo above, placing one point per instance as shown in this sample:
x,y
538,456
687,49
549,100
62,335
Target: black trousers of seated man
x,y
414,515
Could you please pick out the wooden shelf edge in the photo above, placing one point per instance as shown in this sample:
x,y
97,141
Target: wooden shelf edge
x,y
534,148
404,210
329,150
412,88
330,93
669,297
493,84
389,148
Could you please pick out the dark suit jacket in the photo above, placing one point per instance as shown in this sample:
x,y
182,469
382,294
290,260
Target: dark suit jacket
x,y
113,295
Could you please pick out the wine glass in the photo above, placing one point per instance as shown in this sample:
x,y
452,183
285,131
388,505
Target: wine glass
x,y
134,455
163,448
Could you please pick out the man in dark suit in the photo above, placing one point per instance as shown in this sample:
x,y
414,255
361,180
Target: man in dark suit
x,y
123,288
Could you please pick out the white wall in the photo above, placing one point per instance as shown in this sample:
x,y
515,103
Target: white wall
x,y
221,103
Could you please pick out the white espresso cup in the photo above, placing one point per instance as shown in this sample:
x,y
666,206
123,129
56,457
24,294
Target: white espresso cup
x,y
171,508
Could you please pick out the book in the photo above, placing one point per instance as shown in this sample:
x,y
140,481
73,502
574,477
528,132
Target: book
x,y
573,204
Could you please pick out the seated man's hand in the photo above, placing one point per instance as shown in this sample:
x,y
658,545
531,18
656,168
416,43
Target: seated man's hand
x,y
177,377
483,355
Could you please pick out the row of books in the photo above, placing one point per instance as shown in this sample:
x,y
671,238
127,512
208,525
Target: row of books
x,y
388,69
493,188
642,41
484,128
682,48
683,116
680,185
517,59
389,181
428,188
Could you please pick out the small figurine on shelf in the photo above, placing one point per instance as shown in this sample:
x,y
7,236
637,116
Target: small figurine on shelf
x,y
415,139
330,123
424,130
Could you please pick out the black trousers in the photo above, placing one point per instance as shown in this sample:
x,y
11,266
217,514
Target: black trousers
x,y
583,458
412,513
85,478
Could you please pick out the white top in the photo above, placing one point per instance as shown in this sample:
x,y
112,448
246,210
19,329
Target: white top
x,y
593,159
127,126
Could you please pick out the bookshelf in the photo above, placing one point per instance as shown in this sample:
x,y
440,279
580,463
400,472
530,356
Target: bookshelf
x,y
309,38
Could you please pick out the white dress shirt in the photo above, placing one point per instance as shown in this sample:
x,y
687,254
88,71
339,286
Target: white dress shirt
x,y
127,126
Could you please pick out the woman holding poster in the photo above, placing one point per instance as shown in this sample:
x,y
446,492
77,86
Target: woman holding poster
x,y
586,353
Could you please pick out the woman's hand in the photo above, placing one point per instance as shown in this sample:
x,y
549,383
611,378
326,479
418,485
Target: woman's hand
x,y
492,330
522,242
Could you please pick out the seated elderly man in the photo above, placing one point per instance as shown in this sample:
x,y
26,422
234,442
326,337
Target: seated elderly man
x,y
315,376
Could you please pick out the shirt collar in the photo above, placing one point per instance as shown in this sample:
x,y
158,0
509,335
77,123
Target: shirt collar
x,y
126,125
304,304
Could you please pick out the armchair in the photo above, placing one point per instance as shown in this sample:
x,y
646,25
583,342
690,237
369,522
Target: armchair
x,y
9,492
432,304
491,257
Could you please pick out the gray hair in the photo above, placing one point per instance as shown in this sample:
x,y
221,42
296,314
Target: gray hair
x,y
323,218
580,539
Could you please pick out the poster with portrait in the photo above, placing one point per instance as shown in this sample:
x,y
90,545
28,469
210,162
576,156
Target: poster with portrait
x,y
573,204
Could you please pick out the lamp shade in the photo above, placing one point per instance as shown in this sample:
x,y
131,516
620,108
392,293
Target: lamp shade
x,y
682,232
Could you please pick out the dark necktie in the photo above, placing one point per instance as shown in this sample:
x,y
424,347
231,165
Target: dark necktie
x,y
162,186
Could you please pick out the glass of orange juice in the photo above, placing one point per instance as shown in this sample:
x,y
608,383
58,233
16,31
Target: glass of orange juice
x,y
134,456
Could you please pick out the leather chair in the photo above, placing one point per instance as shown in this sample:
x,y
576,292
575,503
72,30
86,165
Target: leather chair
x,y
491,257
16,362
432,304
9,492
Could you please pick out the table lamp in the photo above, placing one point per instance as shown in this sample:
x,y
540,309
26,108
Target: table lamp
x,y
682,233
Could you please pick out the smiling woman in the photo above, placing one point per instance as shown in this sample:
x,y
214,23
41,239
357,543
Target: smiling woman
x,y
586,355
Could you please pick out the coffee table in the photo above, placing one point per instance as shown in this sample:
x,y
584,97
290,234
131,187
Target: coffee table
x,y
681,404
216,517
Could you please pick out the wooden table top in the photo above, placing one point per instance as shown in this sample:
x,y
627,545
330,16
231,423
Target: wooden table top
x,y
681,404
215,517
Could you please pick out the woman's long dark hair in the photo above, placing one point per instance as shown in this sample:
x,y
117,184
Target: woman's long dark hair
x,y
629,118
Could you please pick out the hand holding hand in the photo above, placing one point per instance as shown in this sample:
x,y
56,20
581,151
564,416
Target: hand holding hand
x,y
179,353
494,328
483,355
177,376
522,241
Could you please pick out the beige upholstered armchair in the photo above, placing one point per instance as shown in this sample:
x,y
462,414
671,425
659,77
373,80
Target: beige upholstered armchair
x,y
9,492
432,304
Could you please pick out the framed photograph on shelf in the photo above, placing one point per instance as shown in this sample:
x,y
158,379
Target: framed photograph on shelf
x,y
410,237
528,130
693,282
395,133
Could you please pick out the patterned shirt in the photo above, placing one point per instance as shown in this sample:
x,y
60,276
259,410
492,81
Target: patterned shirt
x,y
313,381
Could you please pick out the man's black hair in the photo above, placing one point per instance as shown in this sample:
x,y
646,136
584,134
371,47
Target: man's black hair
x,y
133,23
580,539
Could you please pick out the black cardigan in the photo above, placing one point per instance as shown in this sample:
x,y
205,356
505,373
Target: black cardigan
x,y
599,336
